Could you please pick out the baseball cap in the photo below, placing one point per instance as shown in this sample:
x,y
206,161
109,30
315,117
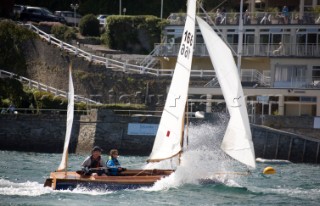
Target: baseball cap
x,y
96,148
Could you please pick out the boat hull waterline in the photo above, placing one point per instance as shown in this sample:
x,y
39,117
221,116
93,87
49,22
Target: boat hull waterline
x,y
129,179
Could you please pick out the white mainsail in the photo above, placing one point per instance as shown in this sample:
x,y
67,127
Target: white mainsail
x,y
64,160
168,139
237,141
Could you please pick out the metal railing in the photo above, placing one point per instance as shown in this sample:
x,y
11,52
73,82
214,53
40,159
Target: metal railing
x,y
108,62
232,18
37,111
137,113
44,87
262,50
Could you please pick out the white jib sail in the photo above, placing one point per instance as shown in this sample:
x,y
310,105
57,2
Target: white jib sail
x,y
64,160
167,142
237,141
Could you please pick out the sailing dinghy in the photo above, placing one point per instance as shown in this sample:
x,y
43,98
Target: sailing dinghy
x,y
63,179
237,141
168,139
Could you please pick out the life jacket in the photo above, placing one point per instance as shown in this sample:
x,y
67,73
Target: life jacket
x,y
116,162
114,170
95,162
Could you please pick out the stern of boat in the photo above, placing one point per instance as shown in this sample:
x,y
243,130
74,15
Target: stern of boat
x,y
48,183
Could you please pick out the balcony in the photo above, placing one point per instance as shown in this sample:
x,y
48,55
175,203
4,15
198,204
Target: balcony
x,y
232,18
249,50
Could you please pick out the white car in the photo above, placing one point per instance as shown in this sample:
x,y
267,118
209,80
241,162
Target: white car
x,y
102,19
69,17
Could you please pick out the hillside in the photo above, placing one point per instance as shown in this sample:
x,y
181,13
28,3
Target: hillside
x,y
48,64
24,53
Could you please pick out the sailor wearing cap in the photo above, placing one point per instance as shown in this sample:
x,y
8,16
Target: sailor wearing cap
x,y
94,163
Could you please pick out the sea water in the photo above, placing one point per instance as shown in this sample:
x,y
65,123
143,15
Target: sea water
x,y
206,176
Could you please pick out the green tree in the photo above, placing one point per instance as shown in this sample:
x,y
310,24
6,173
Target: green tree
x,y
89,25
141,32
11,89
12,38
63,32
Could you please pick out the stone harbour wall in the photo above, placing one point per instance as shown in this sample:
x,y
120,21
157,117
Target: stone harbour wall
x,y
45,133
108,130
36,133
275,144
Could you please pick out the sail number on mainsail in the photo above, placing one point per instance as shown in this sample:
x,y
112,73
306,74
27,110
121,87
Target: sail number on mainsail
x,y
185,47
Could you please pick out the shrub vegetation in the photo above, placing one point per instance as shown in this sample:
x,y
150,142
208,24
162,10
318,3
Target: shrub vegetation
x,y
12,37
89,25
135,34
63,32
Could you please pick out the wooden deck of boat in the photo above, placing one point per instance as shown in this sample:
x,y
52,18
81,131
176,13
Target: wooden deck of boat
x,y
129,177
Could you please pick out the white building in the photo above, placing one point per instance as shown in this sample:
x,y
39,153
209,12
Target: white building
x,y
280,63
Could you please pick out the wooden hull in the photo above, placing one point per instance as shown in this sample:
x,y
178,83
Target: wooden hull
x,y
129,179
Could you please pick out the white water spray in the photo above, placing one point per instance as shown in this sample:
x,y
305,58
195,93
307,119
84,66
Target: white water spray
x,y
202,159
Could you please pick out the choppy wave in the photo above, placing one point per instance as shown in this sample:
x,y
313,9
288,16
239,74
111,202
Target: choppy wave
x,y
22,189
85,191
312,194
36,189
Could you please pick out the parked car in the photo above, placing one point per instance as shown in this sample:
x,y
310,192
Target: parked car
x,y
102,19
38,14
17,9
69,17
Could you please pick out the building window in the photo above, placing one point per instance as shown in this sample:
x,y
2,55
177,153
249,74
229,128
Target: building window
x,y
232,38
290,76
249,38
301,38
276,38
312,38
316,74
308,99
291,99
264,39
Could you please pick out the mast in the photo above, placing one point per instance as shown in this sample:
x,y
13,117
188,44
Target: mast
x,y
240,38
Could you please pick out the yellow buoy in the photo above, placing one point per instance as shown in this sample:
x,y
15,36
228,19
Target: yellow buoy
x,y
269,171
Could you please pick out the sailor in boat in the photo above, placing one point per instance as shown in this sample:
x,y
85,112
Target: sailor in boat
x,y
113,164
94,164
